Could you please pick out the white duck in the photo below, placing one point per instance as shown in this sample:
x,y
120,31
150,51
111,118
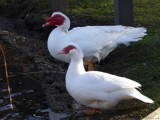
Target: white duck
x,y
96,42
97,89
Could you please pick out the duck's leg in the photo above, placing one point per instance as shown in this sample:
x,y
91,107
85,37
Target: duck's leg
x,y
91,111
89,64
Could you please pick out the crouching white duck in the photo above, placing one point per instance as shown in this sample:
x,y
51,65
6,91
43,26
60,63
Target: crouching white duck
x,y
97,89
96,42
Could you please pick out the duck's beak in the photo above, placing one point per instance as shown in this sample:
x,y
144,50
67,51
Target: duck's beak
x,y
61,52
49,22
46,24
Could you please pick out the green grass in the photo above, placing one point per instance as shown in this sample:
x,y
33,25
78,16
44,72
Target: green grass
x,y
146,12
99,9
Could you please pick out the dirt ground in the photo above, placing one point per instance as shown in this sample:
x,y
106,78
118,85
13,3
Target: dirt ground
x,y
26,36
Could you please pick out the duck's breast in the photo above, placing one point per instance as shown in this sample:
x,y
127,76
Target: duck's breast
x,y
56,42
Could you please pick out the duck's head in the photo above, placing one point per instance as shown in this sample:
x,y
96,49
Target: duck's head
x,y
57,18
73,50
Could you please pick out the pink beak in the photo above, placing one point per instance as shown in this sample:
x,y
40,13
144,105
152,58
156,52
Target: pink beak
x,y
46,24
61,52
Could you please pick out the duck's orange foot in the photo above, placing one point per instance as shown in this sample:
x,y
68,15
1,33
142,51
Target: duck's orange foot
x,y
91,111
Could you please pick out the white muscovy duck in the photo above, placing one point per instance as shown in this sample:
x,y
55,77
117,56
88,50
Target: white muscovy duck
x,y
97,89
96,42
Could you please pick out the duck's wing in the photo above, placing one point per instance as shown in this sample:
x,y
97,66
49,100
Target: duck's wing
x,y
107,82
101,40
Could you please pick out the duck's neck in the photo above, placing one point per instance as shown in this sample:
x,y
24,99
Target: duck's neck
x,y
65,26
75,69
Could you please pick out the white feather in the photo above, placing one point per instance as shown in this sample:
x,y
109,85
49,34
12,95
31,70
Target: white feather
x,y
96,42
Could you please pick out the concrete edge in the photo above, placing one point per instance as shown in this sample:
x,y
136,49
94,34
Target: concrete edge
x,y
155,115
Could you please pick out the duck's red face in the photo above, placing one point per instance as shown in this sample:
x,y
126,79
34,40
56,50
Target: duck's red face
x,y
67,49
56,19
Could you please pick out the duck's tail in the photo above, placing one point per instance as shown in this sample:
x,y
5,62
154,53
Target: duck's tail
x,y
138,95
131,34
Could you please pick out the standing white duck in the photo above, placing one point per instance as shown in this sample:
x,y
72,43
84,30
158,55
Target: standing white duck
x,y
97,89
96,42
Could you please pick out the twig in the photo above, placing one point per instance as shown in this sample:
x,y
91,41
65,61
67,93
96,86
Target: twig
x,y
14,75
29,77
6,71
35,72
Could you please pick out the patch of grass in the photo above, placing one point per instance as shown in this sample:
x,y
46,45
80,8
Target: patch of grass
x,y
101,10
146,12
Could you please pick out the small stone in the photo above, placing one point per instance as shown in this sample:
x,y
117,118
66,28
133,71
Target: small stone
x,y
1,101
